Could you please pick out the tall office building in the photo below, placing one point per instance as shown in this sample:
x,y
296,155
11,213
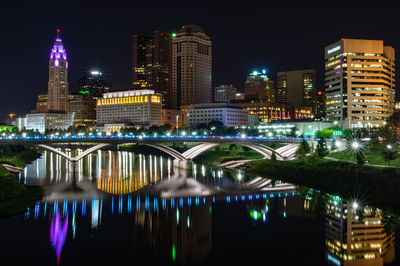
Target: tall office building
x,y
58,77
320,104
139,61
259,87
224,93
93,84
359,82
152,64
191,61
297,87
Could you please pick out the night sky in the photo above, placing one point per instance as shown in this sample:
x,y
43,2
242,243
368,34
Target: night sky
x,y
244,35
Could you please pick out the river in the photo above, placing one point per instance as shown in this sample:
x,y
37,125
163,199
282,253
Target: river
x,y
131,208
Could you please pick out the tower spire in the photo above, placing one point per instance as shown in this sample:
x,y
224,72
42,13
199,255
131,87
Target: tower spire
x,y
58,33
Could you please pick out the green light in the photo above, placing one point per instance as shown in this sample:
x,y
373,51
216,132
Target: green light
x,y
337,133
6,128
173,35
84,92
210,209
255,214
173,252
255,73
336,198
308,133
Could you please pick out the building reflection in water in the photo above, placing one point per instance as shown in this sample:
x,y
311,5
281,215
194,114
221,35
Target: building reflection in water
x,y
58,232
116,172
355,235
180,231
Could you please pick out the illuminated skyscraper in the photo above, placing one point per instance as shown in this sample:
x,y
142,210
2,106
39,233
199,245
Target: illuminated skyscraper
x,y
191,61
297,87
152,65
139,72
259,87
58,77
359,82
93,84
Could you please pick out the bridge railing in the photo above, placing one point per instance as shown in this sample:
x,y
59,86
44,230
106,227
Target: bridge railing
x,y
188,138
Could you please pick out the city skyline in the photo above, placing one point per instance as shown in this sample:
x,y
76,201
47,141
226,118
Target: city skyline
x,y
239,45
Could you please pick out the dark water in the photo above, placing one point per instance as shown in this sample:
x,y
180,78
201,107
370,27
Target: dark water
x,y
119,220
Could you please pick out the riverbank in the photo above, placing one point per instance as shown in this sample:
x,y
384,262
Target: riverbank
x,y
370,185
15,197
374,157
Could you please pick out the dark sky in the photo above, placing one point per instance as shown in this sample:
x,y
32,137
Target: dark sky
x,y
274,34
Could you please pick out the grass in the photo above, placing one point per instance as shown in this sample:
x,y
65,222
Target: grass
x,y
372,156
3,171
20,159
222,154
14,196
373,185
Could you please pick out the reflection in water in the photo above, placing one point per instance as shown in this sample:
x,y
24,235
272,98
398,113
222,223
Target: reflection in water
x,y
58,232
174,229
179,229
355,235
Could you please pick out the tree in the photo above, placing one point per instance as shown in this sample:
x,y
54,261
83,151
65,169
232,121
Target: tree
x,y
301,152
273,156
360,156
322,150
305,146
389,153
233,148
303,149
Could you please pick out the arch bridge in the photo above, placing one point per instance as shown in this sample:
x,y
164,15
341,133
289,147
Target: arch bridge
x,y
182,160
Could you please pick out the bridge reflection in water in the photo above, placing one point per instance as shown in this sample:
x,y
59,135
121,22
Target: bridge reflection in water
x,y
176,229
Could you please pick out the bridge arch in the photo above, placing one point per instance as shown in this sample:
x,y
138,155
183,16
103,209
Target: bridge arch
x,y
76,158
262,149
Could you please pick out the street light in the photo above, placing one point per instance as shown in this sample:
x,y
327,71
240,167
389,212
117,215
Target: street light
x,y
355,145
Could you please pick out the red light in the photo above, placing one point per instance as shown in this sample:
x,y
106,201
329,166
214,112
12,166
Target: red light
x,y
320,93
58,30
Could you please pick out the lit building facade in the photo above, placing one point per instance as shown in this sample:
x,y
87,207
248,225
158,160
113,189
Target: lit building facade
x,y
259,87
172,117
48,121
191,61
41,104
224,93
134,108
268,112
93,85
139,72
320,104
58,77
297,87
83,109
229,114
356,236
359,82
152,64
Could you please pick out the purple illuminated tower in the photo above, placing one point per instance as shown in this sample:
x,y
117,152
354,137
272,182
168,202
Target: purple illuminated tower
x,y
58,77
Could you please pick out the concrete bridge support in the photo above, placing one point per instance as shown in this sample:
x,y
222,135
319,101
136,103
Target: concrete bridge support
x,y
73,168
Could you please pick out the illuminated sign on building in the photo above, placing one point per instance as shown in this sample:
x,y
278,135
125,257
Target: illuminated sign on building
x,y
334,49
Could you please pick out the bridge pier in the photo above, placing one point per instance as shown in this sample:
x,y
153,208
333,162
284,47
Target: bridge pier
x,y
183,164
73,168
